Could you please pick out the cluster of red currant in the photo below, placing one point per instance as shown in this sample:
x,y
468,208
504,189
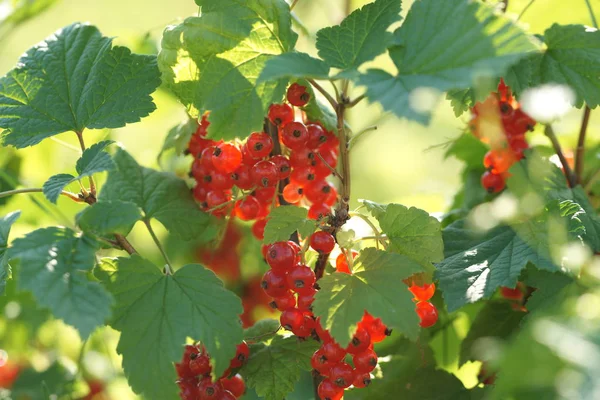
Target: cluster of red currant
x,y
426,311
243,179
194,375
501,123
517,295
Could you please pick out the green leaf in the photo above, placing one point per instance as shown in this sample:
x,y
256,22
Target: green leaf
x,y
160,195
155,313
497,319
431,383
375,285
477,264
179,137
461,100
360,37
56,380
274,370
549,287
106,217
6,223
93,160
285,220
263,330
425,51
294,65
53,266
72,81
411,231
469,149
212,62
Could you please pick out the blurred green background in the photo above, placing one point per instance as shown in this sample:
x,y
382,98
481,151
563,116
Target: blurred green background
x,y
400,162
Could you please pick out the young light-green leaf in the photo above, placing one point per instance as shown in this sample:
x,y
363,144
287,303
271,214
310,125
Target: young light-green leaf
x,y
442,46
360,37
294,65
109,217
6,222
262,330
285,220
53,266
179,137
75,80
160,195
411,231
155,313
375,285
274,370
212,62
53,187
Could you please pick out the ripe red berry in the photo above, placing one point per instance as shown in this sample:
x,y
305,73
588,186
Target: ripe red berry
x,y
218,180
322,242
318,191
329,391
206,157
306,328
241,177
264,174
209,390
200,192
292,193
291,319
200,364
303,176
247,158
342,374
319,211
316,136
365,361
242,353
227,157
427,313
259,144
341,263
491,182
360,341
281,256
424,292
227,395
247,208
323,334
294,135
512,294
284,302
235,385
376,328
284,168
301,279
265,195
274,283
217,198
362,380
333,352
258,229
320,363
188,389
297,95
281,114
306,299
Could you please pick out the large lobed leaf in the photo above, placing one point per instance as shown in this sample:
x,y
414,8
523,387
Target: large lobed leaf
x,y
74,80
53,266
6,223
159,195
155,313
285,220
212,62
375,285
442,46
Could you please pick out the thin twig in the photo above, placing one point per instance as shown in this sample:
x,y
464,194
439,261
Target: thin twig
x,y
168,267
505,2
592,15
525,9
330,99
580,151
558,150
354,138
70,195
293,4
333,170
125,245
347,7
90,178
354,102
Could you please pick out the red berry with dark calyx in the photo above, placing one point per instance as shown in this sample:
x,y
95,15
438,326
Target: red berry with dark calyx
x,y
320,363
303,176
235,385
291,319
316,136
427,313
280,114
274,283
209,390
227,157
333,352
188,389
303,158
362,380
259,144
301,279
200,364
242,353
342,375
219,180
365,361
292,193
322,242
423,292
306,299
294,135
329,391
241,177
284,168
297,95
265,195
491,182
281,256
216,201
264,174
318,191
247,158
247,208
306,328
284,302
319,211
360,341
376,328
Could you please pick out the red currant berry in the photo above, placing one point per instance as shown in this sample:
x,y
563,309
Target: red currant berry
x,y
318,191
301,279
329,391
326,161
292,193
294,135
274,283
206,157
291,319
235,385
209,390
316,136
258,229
342,374
427,313
227,157
322,333
319,211
200,192
333,352
284,168
512,294
322,242
306,299
341,263
259,144
247,158
303,158
362,380
365,361
200,364
265,195
281,256
284,302
360,341
227,395
306,328
297,95
242,353
303,176
281,114
247,208
219,180
320,363
188,389
241,178
376,328
217,198
264,174
424,292
491,182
